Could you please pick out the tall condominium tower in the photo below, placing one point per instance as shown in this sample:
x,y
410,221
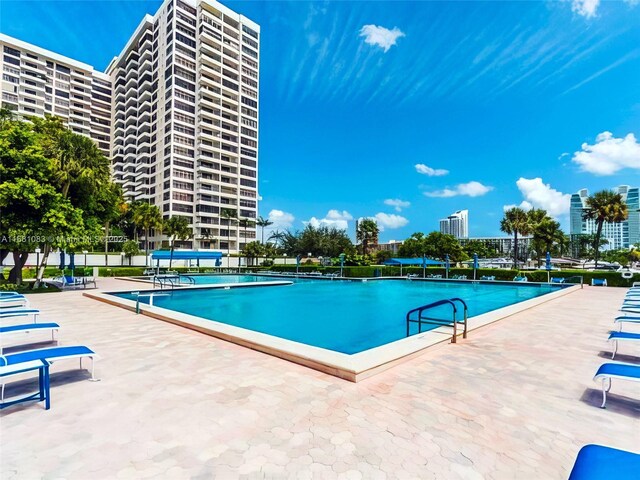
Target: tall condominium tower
x,y
181,126
185,119
619,235
456,224
36,81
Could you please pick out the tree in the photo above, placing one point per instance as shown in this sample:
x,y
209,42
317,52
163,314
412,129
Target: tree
x,y
480,248
130,248
176,228
604,206
366,231
146,216
546,232
230,216
253,250
515,222
262,223
278,237
33,212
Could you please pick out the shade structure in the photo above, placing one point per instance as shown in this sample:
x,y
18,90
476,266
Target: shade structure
x,y
396,262
186,255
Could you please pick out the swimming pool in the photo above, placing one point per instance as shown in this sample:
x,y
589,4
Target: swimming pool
x,y
229,278
342,316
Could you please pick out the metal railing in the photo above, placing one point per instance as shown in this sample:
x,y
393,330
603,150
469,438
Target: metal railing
x,y
421,319
165,280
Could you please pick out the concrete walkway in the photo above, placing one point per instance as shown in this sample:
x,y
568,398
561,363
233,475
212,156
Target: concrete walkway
x,y
515,400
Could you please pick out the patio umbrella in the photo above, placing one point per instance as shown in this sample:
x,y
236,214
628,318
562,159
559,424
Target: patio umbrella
x,y
475,265
62,260
447,265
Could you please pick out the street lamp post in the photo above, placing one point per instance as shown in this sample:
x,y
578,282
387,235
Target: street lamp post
x,y
85,258
122,258
38,257
285,259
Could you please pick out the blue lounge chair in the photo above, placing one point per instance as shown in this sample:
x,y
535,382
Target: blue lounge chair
x,y
616,337
598,282
51,354
28,328
609,371
488,277
557,279
19,312
520,279
11,301
596,462
627,319
42,395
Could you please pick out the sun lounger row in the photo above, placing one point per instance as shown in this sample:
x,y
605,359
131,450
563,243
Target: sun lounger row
x,y
36,359
621,371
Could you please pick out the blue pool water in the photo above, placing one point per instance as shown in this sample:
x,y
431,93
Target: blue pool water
x,y
343,316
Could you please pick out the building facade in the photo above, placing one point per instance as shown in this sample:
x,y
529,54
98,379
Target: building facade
x,y
176,112
36,82
456,224
618,235
503,245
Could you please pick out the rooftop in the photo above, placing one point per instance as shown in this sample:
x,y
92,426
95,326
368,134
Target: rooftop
x,y
514,400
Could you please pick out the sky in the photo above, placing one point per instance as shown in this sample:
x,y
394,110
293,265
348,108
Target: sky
x,y
408,111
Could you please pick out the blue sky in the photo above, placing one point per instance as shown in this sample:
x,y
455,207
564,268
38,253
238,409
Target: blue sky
x,y
408,111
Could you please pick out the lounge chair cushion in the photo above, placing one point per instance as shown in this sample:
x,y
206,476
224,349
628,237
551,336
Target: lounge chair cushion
x,y
599,462
632,372
45,353
30,326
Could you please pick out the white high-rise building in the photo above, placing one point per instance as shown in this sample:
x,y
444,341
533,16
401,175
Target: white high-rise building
x,y
185,118
36,82
181,126
456,224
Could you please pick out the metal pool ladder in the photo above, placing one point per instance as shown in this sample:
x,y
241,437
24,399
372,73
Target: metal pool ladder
x,y
417,316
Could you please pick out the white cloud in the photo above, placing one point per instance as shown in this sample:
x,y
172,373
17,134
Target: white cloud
x,y
523,205
397,203
390,220
541,195
380,36
334,218
431,172
609,154
280,219
471,189
586,8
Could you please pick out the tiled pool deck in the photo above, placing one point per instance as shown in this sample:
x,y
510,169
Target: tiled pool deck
x,y
514,400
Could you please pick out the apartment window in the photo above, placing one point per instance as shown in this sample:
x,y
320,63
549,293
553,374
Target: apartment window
x,y
184,118
11,51
185,40
250,123
185,51
248,142
185,96
249,163
9,78
247,193
186,7
183,106
183,174
186,74
247,40
11,60
29,109
182,185
183,151
249,31
249,62
8,69
186,85
62,68
248,173
60,93
248,111
248,81
184,208
248,152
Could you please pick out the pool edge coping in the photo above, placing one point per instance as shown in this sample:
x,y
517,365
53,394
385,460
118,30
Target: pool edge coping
x,y
354,367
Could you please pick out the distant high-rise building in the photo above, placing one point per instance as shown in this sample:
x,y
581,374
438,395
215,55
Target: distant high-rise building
x,y
456,224
619,235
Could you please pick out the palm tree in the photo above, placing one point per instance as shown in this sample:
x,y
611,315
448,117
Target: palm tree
x,y
515,221
545,234
146,216
245,223
176,228
366,231
604,206
231,216
278,237
262,223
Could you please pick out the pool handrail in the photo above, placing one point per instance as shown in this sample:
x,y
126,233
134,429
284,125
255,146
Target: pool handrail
x,y
439,321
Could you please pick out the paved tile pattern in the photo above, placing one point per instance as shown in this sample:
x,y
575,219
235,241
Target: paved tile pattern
x,y
515,400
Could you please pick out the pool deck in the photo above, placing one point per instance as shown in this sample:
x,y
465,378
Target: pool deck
x,y
514,400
